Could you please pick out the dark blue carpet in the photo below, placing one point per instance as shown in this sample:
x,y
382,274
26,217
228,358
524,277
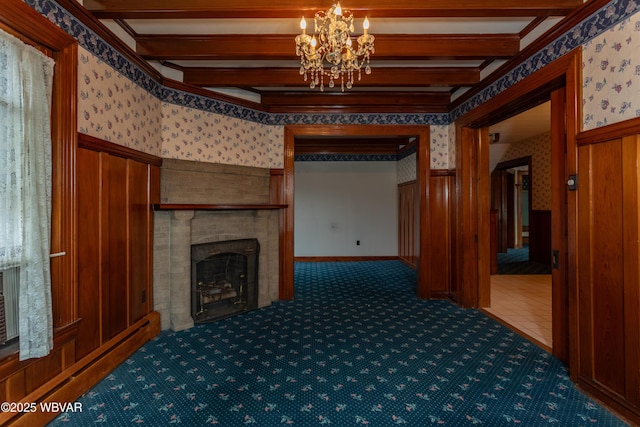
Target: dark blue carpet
x,y
516,261
354,348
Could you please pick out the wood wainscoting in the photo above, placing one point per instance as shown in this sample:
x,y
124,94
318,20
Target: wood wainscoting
x,y
606,301
116,190
408,223
441,186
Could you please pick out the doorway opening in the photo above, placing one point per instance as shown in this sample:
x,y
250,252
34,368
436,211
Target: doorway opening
x,y
520,163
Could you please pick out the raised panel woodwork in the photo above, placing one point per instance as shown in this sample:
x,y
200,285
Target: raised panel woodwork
x,y
43,370
115,295
608,265
139,212
407,223
90,277
116,186
601,231
440,188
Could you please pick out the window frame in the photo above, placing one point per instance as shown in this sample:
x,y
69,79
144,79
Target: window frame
x,y
22,21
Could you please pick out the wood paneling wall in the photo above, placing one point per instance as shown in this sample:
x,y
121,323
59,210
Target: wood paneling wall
x,y
608,263
442,227
64,374
115,225
408,223
442,217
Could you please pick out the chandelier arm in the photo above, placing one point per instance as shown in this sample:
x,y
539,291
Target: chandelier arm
x,y
330,52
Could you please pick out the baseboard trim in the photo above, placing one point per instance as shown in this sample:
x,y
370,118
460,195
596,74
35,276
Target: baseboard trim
x,y
343,258
85,373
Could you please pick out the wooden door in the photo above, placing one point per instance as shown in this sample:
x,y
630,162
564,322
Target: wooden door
x,y
609,267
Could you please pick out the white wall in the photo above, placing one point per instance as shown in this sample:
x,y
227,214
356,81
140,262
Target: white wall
x,y
338,203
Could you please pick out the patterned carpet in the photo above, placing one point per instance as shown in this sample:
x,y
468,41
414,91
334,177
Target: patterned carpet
x,y
354,348
516,261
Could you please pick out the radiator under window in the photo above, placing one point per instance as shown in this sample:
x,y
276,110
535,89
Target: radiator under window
x,y
9,286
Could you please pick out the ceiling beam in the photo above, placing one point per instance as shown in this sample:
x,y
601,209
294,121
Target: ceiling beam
x,y
290,77
350,145
178,9
361,102
280,47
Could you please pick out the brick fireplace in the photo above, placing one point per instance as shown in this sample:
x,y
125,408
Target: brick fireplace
x,y
191,188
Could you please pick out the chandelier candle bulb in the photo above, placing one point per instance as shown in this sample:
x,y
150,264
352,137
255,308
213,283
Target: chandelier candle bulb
x,y
303,25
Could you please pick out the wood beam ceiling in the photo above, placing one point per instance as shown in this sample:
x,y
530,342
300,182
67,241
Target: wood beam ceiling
x,y
289,77
279,47
402,60
360,102
146,9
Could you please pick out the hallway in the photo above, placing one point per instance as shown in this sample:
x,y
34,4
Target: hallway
x,y
524,303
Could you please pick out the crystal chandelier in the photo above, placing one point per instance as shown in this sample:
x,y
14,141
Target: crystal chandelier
x,y
330,52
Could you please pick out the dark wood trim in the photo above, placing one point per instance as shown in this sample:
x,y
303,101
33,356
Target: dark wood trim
x,y
343,258
290,134
502,188
559,299
565,70
574,18
353,101
289,77
442,172
96,144
111,9
82,14
407,147
609,132
467,215
21,19
200,207
407,223
77,379
483,220
10,364
279,46
205,93
423,164
514,163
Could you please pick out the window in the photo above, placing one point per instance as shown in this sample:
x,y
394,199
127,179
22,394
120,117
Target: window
x,y
26,81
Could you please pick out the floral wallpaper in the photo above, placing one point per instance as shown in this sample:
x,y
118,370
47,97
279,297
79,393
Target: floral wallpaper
x,y
113,108
128,107
539,148
439,147
611,75
191,134
406,167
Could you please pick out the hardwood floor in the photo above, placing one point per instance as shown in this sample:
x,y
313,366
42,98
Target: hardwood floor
x,y
524,303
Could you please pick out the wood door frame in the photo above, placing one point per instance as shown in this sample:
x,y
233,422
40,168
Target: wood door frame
x,y
421,133
503,167
560,82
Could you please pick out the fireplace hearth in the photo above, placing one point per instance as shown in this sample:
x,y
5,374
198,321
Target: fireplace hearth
x,y
224,279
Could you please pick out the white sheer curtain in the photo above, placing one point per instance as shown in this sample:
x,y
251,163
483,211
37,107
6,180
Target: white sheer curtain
x,y
26,80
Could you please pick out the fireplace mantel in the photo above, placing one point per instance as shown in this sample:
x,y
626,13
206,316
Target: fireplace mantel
x,y
204,207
